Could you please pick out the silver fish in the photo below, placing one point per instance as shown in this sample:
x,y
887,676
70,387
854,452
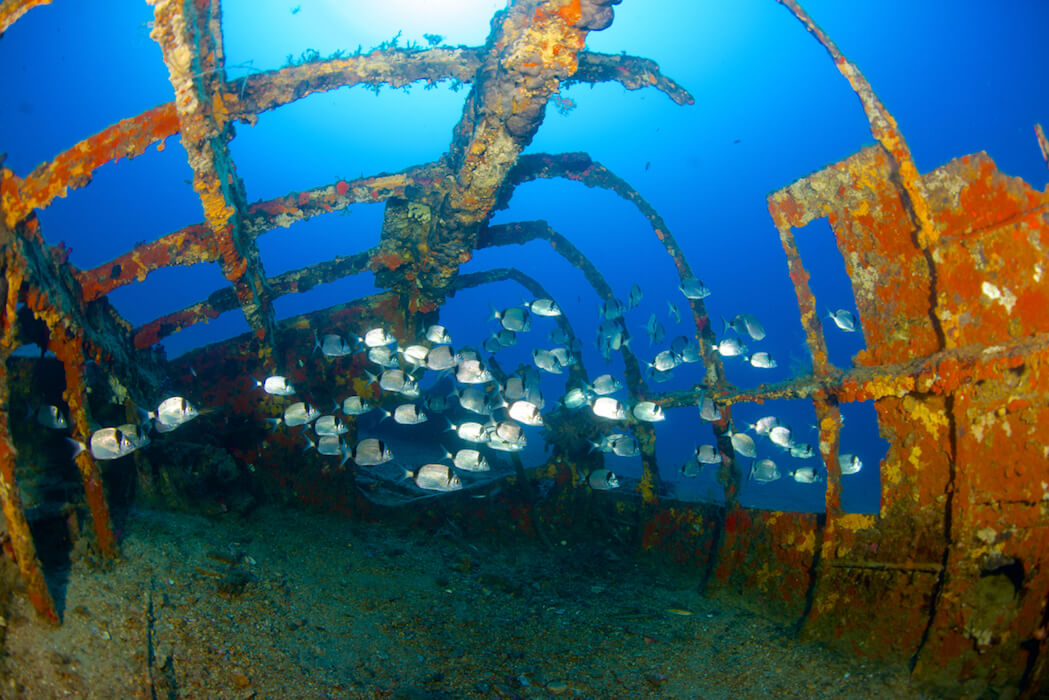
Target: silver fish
x,y
330,425
107,443
625,446
491,345
655,330
602,480
438,335
708,454
605,384
762,426
437,477
543,307
746,324
806,475
576,397
843,319
383,356
505,338
664,361
300,413
674,311
690,353
497,443
332,446
607,407
409,414
781,435
51,417
514,388
559,336
473,399
648,411
764,470
508,431
546,361
525,412
691,469
472,372
850,464
471,431
660,377
173,412
415,355
469,460
441,358
332,345
514,318
355,406
396,380
278,386
467,354
378,337
636,295
799,451
694,289
743,444
563,356
731,347
708,410
370,452
612,309
761,360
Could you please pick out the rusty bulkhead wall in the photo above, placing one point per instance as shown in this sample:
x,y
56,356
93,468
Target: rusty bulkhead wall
x,y
947,270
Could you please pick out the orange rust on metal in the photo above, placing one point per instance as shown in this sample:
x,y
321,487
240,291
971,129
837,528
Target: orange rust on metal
x,y
11,10
883,126
10,498
188,246
533,46
963,410
69,350
291,282
189,36
73,168
245,98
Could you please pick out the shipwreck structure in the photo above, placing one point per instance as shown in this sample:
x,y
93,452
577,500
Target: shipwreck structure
x,y
947,269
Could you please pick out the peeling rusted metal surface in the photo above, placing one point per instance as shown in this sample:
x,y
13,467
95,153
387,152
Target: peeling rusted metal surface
x,y
190,38
11,10
947,270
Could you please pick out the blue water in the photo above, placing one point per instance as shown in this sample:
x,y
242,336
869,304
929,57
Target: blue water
x,y
960,77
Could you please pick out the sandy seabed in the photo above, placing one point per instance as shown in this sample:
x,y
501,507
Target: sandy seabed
x,y
286,604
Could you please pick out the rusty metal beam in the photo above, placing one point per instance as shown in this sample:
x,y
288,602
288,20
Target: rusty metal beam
x,y
12,10
10,498
245,98
193,244
189,35
223,300
533,46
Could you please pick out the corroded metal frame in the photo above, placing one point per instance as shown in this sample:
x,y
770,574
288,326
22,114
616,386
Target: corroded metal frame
x,y
957,339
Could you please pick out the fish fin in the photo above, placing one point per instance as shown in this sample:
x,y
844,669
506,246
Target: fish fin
x,y
310,444
371,378
28,410
77,446
274,423
257,382
316,342
493,314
